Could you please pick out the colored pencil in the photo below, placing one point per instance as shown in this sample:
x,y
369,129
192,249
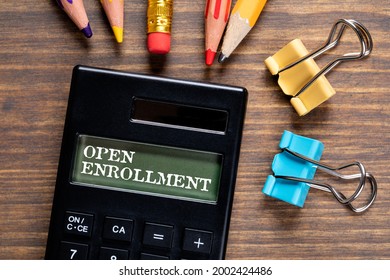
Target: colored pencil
x,y
243,17
114,10
216,17
76,11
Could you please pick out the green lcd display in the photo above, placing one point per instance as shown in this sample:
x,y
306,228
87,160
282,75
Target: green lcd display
x,y
148,169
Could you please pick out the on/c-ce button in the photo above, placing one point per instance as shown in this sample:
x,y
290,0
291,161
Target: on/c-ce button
x,y
78,223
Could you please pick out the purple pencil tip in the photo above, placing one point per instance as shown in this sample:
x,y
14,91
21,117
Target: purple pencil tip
x,y
87,31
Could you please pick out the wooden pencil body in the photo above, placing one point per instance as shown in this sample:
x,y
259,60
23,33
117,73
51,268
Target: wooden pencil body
x,y
114,11
244,16
76,11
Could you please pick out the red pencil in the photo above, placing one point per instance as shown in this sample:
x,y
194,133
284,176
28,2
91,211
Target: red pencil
x,y
216,17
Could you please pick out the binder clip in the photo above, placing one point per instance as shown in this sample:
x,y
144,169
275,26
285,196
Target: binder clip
x,y
300,76
294,169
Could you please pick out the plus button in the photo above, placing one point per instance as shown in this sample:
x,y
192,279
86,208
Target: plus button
x,y
198,243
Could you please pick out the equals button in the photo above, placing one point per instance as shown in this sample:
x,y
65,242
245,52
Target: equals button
x,y
158,235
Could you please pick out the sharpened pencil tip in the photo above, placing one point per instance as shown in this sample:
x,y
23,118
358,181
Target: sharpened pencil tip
x,y
222,58
210,55
118,32
87,31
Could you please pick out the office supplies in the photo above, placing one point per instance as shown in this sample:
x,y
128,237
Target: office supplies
x,y
114,10
243,17
294,169
216,17
300,76
76,11
147,168
159,21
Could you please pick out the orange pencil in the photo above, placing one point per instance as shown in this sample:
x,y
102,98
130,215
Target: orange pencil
x,y
216,17
114,10
76,11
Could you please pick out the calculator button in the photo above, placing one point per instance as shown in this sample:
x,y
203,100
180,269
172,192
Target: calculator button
x,y
197,241
78,223
73,251
113,254
158,235
118,229
145,256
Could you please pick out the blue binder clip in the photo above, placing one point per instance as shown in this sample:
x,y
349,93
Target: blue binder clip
x,y
294,169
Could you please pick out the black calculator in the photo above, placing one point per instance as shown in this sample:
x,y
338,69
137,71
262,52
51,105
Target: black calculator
x,y
147,168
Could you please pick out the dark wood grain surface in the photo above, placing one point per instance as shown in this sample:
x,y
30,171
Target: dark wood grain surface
x,y
39,46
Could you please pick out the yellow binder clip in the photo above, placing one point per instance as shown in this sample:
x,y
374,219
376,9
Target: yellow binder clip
x,y
300,76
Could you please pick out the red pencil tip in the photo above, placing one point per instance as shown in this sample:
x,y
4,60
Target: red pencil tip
x,y
210,55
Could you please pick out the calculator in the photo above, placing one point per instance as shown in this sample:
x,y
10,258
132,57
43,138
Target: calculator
x,y
147,168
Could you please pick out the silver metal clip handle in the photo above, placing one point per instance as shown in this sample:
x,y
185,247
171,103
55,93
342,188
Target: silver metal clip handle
x,y
363,176
334,38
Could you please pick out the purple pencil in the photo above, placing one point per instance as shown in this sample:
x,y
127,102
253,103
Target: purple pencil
x,y
76,11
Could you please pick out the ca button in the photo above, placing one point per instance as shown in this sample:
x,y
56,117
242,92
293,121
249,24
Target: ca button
x,y
118,229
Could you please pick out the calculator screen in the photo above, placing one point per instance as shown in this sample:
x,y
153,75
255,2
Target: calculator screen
x,y
148,169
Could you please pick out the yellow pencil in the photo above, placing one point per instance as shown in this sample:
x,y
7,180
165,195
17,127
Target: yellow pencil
x,y
243,17
114,10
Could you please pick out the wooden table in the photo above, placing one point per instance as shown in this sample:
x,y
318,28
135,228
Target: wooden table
x,y
39,46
